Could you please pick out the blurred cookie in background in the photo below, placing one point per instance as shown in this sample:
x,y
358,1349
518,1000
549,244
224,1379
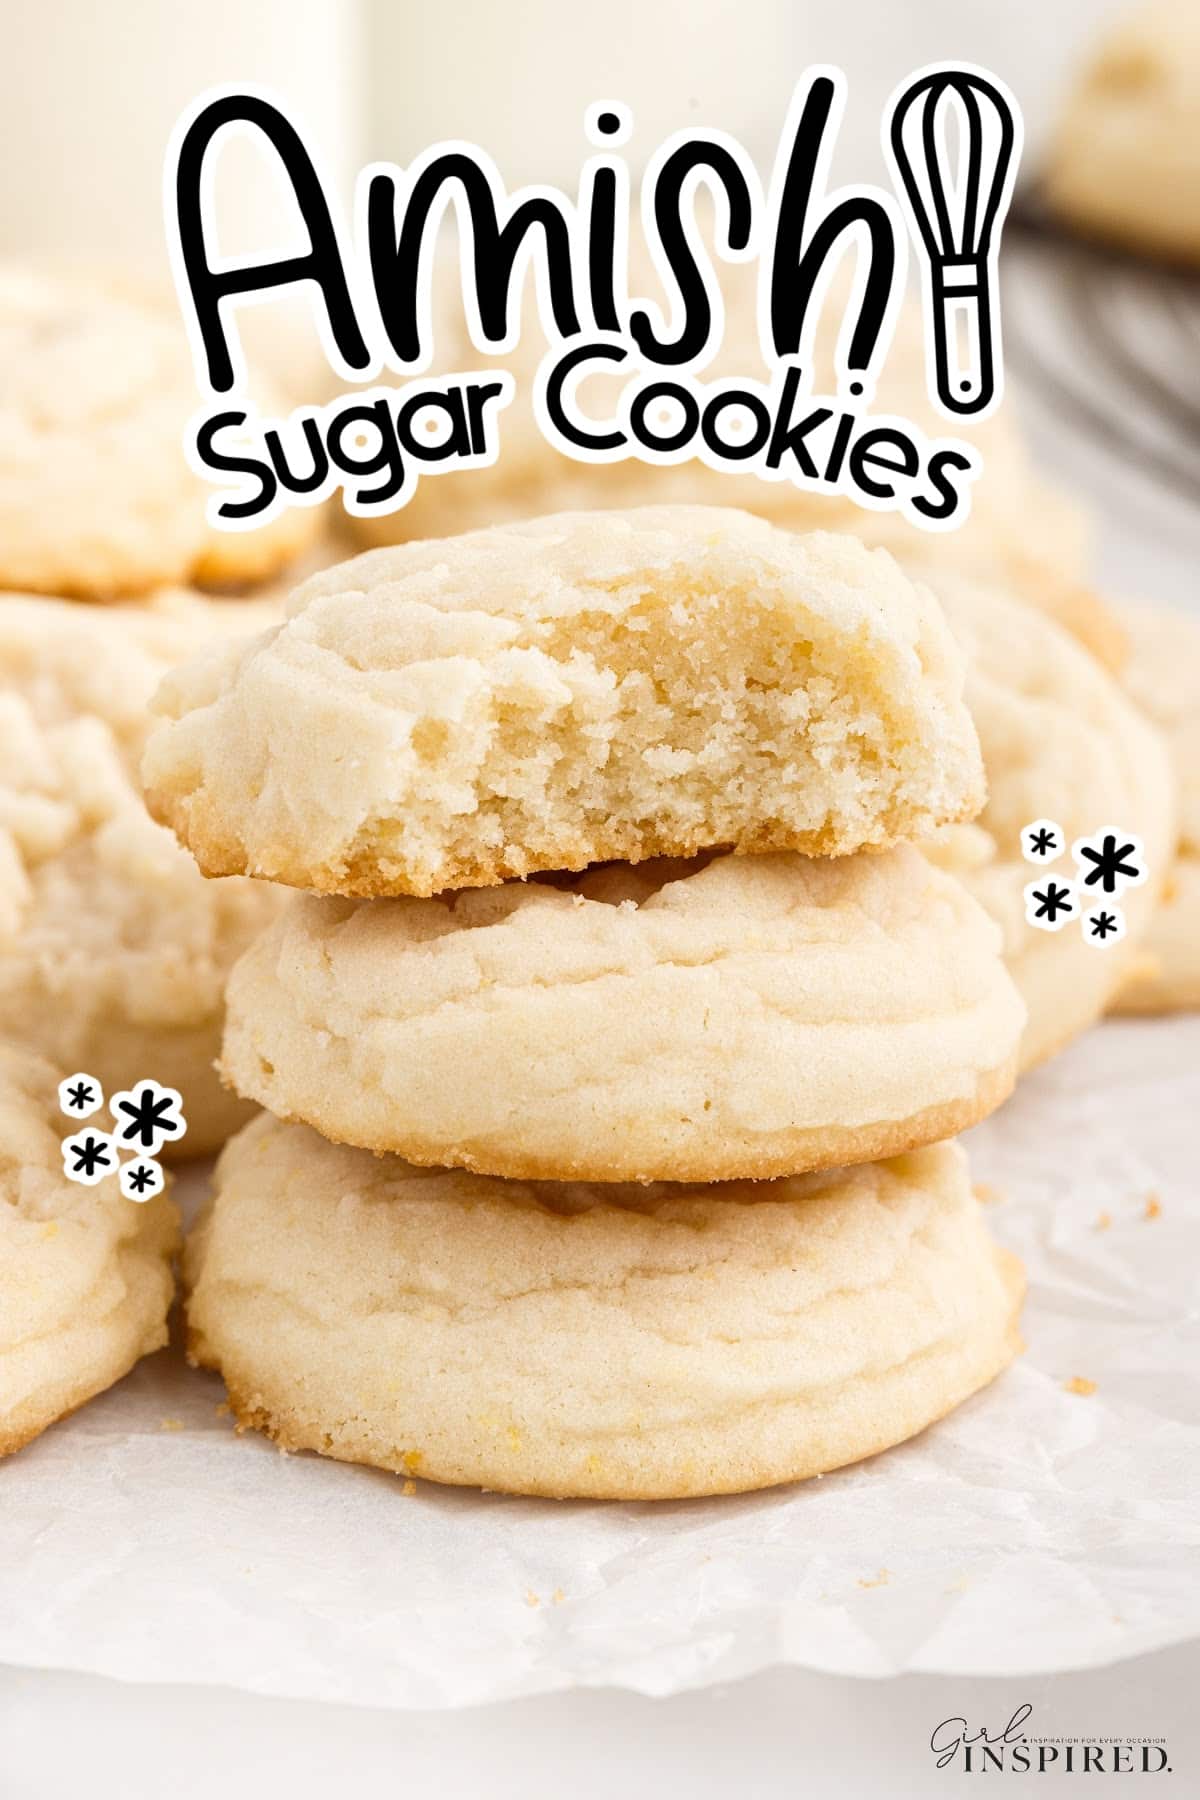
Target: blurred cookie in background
x,y
1060,741
97,500
1163,677
85,1274
113,948
1126,162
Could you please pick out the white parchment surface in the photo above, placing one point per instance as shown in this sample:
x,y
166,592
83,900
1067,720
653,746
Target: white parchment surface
x,y
1037,1529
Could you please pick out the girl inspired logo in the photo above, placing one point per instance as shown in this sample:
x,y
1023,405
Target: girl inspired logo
x,y
372,298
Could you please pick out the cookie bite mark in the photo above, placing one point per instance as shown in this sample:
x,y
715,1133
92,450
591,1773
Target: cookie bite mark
x,y
580,689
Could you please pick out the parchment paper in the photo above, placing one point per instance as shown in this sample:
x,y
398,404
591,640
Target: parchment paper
x,y
1037,1529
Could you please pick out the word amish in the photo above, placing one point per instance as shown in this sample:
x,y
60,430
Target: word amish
x,y
372,298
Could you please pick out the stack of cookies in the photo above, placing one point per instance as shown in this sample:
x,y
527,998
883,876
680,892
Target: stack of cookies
x,y
611,1056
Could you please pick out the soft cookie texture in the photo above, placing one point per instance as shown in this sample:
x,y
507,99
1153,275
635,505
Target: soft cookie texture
x,y
96,497
745,1016
615,1342
1126,163
85,1275
579,689
1163,677
113,948
1060,741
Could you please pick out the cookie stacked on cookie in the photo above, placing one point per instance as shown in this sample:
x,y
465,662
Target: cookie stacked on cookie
x,y
618,954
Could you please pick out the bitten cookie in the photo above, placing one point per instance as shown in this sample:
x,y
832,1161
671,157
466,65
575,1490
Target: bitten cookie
x,y
1060,741
113,948
1126,163
85,1275
744,1016
1163,677
96,496
612,1342
580,689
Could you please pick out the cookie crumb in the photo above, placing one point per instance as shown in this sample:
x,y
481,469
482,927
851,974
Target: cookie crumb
x,y
170,1424
409,1488
1153,1209
532,1599
986,1194
881,1580
557,1597
222,1409
1079,1384
1103,1221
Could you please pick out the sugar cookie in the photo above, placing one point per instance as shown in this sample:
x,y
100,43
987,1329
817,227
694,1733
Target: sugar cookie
x,y
593,687
1060,741
1126,161
96,496
113,948
613,1342
745,1016
1163,677
85,1275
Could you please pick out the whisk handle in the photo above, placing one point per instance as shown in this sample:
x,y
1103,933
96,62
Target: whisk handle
x,y
962,309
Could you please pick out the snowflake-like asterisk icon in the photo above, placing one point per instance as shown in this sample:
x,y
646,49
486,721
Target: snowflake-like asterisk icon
x,y
1042,840
1115,857
153,1116
79,1096
1104,925
1049,904
88,1157
141,1179
1052,900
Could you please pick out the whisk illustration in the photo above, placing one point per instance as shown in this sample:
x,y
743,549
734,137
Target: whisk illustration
x,y
956,204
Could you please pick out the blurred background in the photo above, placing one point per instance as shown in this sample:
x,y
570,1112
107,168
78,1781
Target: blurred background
x,y
1103,342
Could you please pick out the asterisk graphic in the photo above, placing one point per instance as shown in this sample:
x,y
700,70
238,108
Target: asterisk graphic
x,y
152,1115
1042,840
141,1179
1100,924
90,1155
1051,900
1110,862
80,1095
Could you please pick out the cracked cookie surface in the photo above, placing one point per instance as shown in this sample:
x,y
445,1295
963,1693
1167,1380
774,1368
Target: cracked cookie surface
x,y
577,1340
731,1016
